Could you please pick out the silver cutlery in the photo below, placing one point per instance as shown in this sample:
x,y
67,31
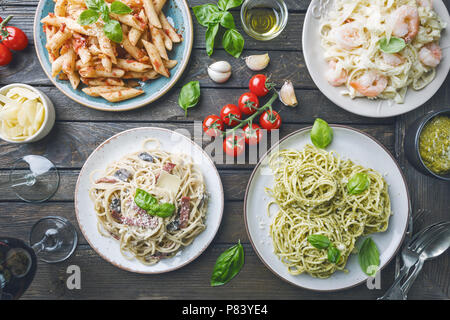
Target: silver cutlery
x,y
411,255
434,249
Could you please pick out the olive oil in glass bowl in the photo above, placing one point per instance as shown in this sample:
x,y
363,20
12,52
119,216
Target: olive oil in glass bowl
x,y
264,19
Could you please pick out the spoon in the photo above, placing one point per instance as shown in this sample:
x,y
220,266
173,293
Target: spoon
x,y
431,250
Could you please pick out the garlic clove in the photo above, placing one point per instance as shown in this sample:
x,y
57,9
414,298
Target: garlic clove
x,y
257,62
219,71
287,94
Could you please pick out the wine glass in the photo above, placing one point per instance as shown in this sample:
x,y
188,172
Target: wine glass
x,y
33,179
52,239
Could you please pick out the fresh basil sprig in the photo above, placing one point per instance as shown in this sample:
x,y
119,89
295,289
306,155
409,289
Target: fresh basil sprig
x,y
358,183
228,265
322,242
394,45
99,8
212,16
189,95
369,257
321,134
146,201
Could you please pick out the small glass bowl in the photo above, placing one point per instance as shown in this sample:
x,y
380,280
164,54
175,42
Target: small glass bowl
x,y
411,144
278,5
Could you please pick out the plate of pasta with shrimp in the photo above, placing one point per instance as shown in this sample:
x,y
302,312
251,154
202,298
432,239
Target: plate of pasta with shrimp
x,y
149,200
113,55
379,58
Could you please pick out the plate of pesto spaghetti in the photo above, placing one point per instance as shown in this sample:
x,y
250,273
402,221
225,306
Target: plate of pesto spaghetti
x,y
378,58
302,199
149,200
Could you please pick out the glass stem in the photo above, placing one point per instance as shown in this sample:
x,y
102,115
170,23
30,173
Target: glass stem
x,y
39,246
28,180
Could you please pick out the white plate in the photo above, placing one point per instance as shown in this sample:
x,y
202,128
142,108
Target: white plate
x,y
315,62
131,141
361,149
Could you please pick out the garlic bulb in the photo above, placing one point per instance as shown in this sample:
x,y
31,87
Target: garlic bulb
x,y
219,71
257,62
287,94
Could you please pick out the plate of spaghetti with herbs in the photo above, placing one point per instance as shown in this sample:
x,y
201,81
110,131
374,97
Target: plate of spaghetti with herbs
x,y
326,207
149,200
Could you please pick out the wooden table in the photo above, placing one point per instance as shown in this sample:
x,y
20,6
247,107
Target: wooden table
x,y
79,130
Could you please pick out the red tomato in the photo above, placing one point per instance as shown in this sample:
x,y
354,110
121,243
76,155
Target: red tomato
x,y
258,85
229,112
270,120
5,55
234,145
213,125
252,134
248,103
14,38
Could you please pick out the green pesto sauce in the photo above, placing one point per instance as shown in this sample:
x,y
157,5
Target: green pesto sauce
x,y
434,145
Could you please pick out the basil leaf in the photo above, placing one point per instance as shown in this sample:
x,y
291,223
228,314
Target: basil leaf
x,y
164,210
189,95
207,14
104,13
233,42
321,134
144,200
358,183
228,265
228,4
227,21
394,45
210,37
94,4
369,257
120,8
319,241
87,17
113,31
333,254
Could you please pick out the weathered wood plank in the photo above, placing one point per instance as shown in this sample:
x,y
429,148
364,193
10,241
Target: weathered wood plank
x,y
254,281
17,218
284,65
211,101
289,39
70,143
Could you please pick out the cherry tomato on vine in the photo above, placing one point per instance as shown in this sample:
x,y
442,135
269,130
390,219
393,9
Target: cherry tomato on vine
x,y
248,103
228,113
259,85
14,38
234,145
253,134
213,125
270,120
5,55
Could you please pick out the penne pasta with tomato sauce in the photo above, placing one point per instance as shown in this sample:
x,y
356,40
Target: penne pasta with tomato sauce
x,y
105,65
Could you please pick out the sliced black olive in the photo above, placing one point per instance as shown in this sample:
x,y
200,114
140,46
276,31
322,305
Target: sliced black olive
x,y
173,226
123,174
115,205
145,157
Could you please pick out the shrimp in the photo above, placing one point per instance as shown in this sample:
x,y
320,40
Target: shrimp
x,y
425,3
371,84
336,77
348,36
393,59
430,54
406,22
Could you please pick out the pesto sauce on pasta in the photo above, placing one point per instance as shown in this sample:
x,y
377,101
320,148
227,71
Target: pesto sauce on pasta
x,y
311,197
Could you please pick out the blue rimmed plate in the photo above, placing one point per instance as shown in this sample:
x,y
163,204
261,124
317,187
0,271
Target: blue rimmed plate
x,y
176,10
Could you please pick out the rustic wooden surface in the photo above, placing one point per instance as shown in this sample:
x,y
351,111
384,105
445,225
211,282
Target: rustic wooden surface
x,y
79,130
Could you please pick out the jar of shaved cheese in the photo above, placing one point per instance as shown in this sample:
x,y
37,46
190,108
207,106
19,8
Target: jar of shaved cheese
x,y
26,114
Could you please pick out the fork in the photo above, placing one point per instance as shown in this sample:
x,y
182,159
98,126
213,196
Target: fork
x,y
410,255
